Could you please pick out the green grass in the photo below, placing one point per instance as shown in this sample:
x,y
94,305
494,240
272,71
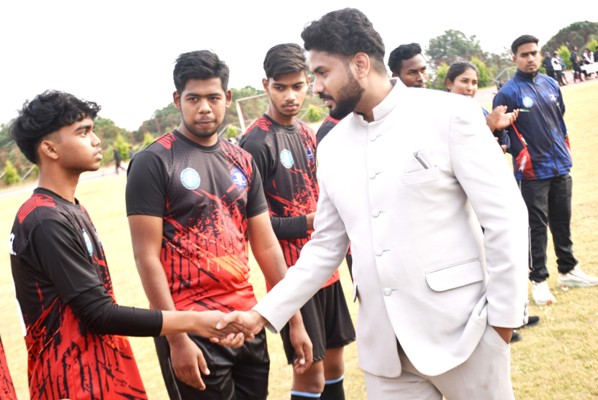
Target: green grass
x,y
557,360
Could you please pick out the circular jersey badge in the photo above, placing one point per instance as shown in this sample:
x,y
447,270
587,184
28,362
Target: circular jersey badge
x,y
238,178
190,178
528,102
286,158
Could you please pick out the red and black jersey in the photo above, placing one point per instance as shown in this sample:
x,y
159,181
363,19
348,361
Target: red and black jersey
x,y
56,256
205,196
7,389
326,127
285,157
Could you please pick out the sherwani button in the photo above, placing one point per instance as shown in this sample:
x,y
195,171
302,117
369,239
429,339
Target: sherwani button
x,y
387,291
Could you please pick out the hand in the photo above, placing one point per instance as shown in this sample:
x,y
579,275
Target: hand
x,y
505,333
302,345
188,362
249,323
500,119
206,327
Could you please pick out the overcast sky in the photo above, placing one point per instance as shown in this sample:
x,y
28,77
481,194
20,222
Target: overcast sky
x,y
120,53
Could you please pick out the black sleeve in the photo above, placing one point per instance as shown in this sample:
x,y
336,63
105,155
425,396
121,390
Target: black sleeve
x,y
98,313
290,227
262,156
146,185
256,199
63,258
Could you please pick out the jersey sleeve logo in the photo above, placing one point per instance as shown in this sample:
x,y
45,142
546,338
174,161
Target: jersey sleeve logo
x,y
190,178
286,159
310,154
238,178
88,242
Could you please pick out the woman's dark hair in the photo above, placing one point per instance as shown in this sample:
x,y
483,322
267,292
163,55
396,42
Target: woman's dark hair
x,y
457,68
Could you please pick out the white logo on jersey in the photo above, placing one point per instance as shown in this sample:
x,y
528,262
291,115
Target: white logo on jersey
x,y
286,159
190,178
88,242
11,240
239,178
528,102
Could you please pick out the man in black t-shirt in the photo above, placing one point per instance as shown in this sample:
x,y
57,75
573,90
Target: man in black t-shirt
x,y
193,200
284,150
60,272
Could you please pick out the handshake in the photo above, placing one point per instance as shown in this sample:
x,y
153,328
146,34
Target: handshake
x,y
232,329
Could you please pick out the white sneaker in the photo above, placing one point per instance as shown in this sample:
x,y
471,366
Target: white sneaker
x,y
541,293
577,278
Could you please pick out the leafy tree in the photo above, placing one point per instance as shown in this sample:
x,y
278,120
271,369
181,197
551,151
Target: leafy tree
x,y
107,130
453,46
592,44
147,140
122,146
5,139
161,122
441,71
577,34
11,175
484,77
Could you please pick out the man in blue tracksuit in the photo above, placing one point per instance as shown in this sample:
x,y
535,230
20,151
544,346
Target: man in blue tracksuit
x,y
542,162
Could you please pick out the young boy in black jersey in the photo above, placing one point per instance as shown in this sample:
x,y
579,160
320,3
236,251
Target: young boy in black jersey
x,y
283,148
193,200
60,272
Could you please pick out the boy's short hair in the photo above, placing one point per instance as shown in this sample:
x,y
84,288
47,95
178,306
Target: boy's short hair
x,y
284,59
47,113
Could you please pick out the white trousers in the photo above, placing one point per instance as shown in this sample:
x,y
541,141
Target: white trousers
x,y
486,375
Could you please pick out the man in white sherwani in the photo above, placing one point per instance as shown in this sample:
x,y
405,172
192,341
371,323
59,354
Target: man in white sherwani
x,y
438,229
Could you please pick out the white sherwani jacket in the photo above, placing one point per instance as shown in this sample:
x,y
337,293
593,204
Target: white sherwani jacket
x,y
411,191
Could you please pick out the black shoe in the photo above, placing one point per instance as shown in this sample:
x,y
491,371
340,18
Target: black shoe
x,y
532,320
515,337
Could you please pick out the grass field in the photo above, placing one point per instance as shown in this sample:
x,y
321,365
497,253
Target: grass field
x,y
557,360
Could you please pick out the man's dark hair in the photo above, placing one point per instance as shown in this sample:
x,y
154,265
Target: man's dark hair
x,y
401,53
200,64
345,32
523,39
45,114
284,59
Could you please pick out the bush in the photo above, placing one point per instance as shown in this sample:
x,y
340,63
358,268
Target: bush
x,y
11,175
313,114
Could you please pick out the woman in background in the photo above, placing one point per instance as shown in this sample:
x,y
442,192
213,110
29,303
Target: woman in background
x,y
462,78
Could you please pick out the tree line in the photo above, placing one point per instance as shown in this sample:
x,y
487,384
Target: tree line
x,y
441,52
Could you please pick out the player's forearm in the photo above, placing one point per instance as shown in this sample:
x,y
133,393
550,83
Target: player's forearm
x,y
155,284
272,264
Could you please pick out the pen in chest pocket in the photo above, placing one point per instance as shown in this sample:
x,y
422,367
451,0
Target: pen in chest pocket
x,y
421,160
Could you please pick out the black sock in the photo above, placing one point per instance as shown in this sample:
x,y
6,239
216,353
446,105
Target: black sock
x,y
333,390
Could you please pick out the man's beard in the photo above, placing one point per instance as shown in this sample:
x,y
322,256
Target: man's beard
x,y
348,98
201,134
